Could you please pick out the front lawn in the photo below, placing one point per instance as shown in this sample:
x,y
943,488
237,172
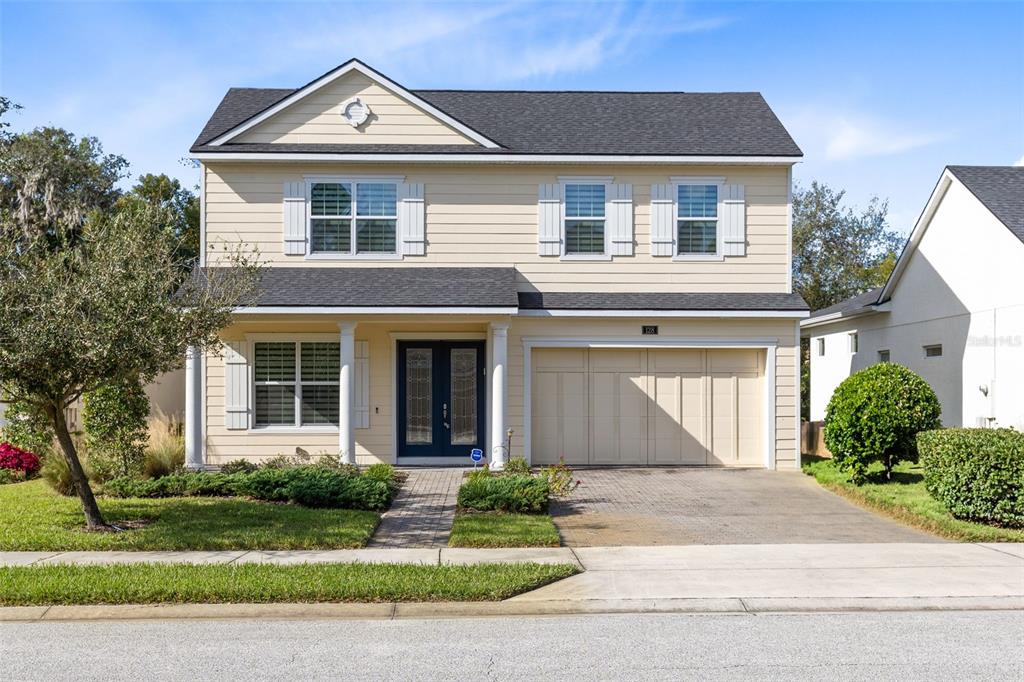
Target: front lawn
x,y
906,500
261,583
496,529
33,517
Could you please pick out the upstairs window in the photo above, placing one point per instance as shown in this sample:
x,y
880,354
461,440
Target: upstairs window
x,y
854,341
697,220
933,351
370,229
296,384
584,220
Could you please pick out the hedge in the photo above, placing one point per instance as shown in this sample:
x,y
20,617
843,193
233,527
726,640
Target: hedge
x,y
520,494
310,486
978,474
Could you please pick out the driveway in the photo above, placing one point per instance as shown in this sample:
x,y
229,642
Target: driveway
x,y
682,506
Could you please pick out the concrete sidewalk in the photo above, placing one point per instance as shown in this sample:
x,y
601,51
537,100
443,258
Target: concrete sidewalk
x,y
678,579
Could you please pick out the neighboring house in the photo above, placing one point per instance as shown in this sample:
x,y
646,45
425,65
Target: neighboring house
x,y
602,277
952,310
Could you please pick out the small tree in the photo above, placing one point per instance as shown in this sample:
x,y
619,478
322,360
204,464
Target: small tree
x,y
875,415
107,305
114,419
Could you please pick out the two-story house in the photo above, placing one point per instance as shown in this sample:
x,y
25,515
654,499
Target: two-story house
x,y
602,277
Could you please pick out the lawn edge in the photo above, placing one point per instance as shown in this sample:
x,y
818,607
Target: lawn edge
x,y
903,515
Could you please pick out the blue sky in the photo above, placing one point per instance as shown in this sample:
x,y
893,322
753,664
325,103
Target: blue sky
x,y
880,96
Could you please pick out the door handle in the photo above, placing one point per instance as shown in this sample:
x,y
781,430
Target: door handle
x,y
444,415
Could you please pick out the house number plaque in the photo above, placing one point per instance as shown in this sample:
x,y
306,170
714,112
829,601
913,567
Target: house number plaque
x,y
650,330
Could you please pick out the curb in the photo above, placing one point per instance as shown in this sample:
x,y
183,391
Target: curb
x,y
442,610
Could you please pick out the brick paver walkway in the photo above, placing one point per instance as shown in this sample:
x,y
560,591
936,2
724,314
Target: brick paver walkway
x,y
682,506
423,512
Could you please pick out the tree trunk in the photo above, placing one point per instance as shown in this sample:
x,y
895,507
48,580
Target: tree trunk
x,y
93,518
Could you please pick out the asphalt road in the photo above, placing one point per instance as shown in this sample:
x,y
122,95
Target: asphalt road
x,y
847,646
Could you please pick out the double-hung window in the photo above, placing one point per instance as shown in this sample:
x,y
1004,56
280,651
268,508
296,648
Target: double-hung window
x,y
296,383
353,218
584,220
697,220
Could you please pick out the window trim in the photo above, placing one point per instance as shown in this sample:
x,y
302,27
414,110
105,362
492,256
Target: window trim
x,y
564,181
678,182
852,342
353,180
297,339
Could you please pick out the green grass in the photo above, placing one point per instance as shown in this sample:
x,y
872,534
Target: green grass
x,y
493,529
33,517
261,583
906,499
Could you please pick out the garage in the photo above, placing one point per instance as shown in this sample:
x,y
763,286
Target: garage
x,y
641,406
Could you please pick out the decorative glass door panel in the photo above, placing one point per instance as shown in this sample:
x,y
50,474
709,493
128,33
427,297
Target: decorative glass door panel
x,y
441,398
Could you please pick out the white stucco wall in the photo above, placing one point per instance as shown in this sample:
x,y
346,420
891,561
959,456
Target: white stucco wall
x,y
963,288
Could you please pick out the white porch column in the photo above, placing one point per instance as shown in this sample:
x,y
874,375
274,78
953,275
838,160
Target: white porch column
x,y
346,432
193,409
499,369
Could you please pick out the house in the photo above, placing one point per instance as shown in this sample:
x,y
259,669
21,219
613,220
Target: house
x,y
952,310
599,277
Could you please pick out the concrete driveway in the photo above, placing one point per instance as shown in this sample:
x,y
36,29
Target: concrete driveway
x,y
683,506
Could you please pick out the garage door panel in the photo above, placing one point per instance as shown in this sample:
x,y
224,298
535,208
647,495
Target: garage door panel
x,y
619,424
560,421
676,360
677,425
734,360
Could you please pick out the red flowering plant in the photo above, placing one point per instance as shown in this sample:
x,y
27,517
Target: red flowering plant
x,y
15,459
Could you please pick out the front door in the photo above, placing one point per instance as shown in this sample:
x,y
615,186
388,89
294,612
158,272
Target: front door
x,y
440,398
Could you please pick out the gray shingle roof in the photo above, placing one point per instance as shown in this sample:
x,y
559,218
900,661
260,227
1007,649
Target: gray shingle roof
x,y
388,287
1000,189
856,304
659,301
525,122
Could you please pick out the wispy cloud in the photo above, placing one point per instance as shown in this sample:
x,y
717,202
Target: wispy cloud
x,y
851,135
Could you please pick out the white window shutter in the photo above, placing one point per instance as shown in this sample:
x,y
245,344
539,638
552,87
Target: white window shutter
x,y
619,217
662,220
294,213
549,220
362,385
236,385
732,211
412,219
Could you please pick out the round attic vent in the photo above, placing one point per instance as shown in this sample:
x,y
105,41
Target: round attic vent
x,y
355,112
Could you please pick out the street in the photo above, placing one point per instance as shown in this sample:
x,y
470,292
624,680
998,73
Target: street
x,y
856,646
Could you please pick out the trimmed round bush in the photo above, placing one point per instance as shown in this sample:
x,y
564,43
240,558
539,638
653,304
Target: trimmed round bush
x,y
978,474
519,494
875,416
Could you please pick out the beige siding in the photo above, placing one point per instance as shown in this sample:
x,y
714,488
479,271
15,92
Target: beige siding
x,y
487,216
377,442
316,119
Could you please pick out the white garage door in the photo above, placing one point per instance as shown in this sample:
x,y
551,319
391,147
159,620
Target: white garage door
x,y
637,407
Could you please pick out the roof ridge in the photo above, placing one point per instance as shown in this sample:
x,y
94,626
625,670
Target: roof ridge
x,y
594,92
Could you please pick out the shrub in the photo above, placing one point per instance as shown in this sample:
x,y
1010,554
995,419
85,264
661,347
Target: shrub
x,y
185,484
382,472
521,494
11,476
978,474
166,451
320,487
27,427
561,482
517,466
238,466
268,483
875,415
13,458
114,418
57,475
477,473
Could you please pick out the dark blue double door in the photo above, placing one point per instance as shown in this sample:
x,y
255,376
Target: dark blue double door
x,y
441,386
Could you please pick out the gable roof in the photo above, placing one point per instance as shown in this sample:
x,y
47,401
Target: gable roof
x,y
1000,189
860,303
538,122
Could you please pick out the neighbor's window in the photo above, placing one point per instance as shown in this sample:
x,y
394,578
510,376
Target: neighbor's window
x,y
697,220
883,356
821,346
933,351
372,229
584,220
296,384
853,342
